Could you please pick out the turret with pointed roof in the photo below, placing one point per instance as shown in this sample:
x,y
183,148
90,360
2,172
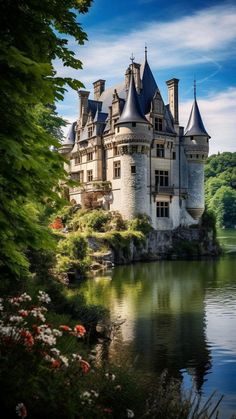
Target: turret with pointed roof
x,y
132,111
195,125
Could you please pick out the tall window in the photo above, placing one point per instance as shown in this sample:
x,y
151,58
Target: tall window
x,y
116,169
160,150
90,131
89,175
81,176
77,159
116,151
163,209
133,169
90,156
158,124
161,178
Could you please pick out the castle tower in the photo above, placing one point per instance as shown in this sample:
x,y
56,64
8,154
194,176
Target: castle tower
x,y
196,144
133,137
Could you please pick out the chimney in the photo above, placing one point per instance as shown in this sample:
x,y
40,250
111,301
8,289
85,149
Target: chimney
x,y
173,96
99,87
83,115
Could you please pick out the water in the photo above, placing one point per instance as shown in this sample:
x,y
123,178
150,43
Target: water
x,y
180,315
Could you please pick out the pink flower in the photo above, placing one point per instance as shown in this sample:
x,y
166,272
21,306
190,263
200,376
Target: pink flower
x,y
65,328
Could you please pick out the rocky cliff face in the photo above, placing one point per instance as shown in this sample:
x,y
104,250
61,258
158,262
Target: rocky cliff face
x,y
181,243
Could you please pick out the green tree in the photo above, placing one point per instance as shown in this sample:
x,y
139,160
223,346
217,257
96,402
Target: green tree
x,y
223,204
32,35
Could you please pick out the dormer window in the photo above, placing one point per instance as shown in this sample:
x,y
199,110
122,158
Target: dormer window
x,y
158,124
90,131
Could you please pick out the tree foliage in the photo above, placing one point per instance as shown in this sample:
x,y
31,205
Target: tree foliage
x,y
32,36
220,188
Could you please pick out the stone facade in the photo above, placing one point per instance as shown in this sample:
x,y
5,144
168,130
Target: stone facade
x,y
128,153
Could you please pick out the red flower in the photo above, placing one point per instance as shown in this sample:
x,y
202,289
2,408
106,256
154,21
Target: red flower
x,y
57,224
56,363
85,366
65,328
80,330
21,410
28,338
23,313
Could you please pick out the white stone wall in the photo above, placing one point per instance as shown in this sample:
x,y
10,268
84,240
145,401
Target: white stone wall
x,y
134,191
195,185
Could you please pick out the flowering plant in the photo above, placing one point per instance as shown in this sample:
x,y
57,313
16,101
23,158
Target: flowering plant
x,y
38,377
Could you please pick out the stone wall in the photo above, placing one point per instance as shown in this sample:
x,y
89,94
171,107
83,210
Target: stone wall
x,y
181,243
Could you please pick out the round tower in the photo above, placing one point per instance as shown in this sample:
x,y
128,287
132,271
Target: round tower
x,y
133,137
196,146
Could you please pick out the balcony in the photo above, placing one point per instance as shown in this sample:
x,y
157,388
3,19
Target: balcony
x,y
94,186
163,190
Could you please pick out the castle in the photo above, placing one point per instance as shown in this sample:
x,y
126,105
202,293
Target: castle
x,y
129,154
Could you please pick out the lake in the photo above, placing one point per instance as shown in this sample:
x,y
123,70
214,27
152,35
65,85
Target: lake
x,y
179,315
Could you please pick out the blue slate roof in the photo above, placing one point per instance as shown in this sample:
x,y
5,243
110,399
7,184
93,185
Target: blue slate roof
x,y
149,88
132,111
195,125
70,138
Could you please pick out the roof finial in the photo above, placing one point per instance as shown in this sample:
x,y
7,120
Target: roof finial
x,y
195,88
145,51
132,58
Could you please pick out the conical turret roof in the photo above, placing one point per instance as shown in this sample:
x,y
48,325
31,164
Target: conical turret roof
x,y
132,111
195,125
149,87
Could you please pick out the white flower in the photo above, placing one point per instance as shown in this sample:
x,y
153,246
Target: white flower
x,y
56,332
55,351
94,393
1,307
21,410
86,394
130,413
16,319
76,357
65,360
43,297
24,297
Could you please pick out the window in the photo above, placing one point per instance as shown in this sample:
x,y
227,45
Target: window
x,y
118,129
158,124
90,131
174,155
116,151
89,175
81,176
161,178
133,124
90,156
133,169
77,159
162,209
116,169
160,150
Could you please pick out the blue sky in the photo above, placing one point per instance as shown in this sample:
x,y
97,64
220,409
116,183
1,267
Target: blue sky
x,y
184,38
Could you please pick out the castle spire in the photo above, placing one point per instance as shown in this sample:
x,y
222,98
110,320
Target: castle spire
x,y
195,125
132,111
145,52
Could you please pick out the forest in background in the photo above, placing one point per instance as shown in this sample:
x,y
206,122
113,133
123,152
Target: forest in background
x,y
220,188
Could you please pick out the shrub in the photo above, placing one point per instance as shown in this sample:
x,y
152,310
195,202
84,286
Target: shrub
x,y
141,223
74,246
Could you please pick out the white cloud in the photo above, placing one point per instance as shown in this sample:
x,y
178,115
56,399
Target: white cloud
x,y
207,36
219,117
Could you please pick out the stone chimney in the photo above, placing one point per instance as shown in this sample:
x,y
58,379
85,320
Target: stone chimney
x,y
83,115
99,87
137,78
173,96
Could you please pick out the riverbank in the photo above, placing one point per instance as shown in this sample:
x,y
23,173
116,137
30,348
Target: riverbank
x,y
96,239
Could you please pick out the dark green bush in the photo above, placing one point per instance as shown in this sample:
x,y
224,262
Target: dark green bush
x,y
141,223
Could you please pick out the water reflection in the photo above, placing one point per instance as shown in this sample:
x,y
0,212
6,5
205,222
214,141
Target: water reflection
x,y
179,315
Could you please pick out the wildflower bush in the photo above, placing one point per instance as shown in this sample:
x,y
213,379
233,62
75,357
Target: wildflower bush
x,y
72,253
39,379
